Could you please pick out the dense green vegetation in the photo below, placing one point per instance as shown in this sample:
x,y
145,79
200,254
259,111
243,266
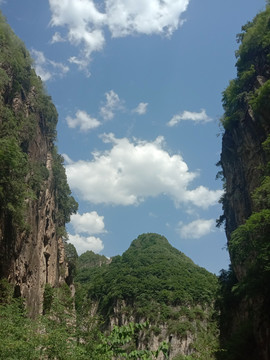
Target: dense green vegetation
x,y
153,281
56,335
21,176
151,270
253,60
249,245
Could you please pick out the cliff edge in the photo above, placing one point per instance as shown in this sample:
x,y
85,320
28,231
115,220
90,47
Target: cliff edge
x,y
35,200
245,166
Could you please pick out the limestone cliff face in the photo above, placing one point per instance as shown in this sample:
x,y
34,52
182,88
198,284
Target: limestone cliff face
x,y
34,257
243,160
179,344
31,248
245,165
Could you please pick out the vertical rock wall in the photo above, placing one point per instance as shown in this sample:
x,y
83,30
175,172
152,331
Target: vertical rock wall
x,y
34,257
242,160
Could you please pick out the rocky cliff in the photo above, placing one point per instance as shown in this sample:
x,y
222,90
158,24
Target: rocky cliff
x,y
35,199
245,167
187,332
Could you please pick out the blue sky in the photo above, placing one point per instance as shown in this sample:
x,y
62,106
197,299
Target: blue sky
x,y
138,88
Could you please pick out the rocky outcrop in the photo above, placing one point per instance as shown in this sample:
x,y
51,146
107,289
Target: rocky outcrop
x,y
31,246
245,165
242,160
34,257
157,332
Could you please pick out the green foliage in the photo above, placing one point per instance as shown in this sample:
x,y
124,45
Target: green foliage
x,y
249,246
71,258
66,204
13,189
25,107
57,336
153,281
18,334
15,59
151,271
115,344
38,175
48,296
260,101
255,42
88,265
252,60
89,260
6,292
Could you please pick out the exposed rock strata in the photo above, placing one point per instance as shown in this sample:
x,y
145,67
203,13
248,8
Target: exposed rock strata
x,y
33,254
242,160
35,257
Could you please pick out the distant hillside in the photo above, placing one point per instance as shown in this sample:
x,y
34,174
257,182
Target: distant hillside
x,y
154,281
87,264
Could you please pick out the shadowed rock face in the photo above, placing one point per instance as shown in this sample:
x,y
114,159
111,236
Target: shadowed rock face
x,y
32,255
242,160
31,258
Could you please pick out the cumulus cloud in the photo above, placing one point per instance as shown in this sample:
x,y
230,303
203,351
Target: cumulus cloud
x,y
131,171
88,223
141,108
82,120
112,104
83,244
144,17
45,68
86,21
196,228
203,197
197,117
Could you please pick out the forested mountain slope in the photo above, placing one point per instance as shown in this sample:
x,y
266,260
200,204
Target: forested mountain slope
x,y
35,201
246,169
152,281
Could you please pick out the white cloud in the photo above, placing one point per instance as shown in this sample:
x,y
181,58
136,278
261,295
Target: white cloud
x,y
67,159
45,68
141,108
196,228
83,244
144,16
113,103
130,172
82,120
86,23
197,117
203,197
81,63
89,223
84,26
57,37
